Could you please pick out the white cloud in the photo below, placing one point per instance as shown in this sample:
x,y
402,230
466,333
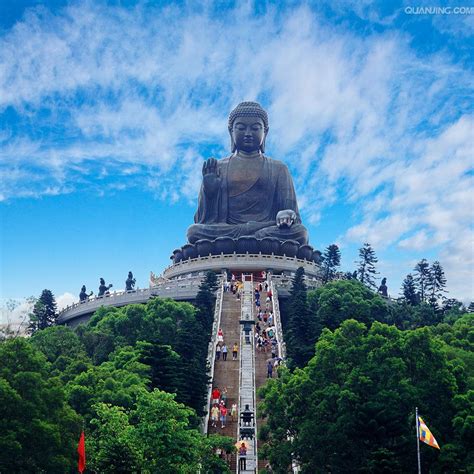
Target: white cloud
x,y
66,299
146,92
418,241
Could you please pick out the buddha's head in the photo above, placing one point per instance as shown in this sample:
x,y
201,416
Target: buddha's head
x,y
248,127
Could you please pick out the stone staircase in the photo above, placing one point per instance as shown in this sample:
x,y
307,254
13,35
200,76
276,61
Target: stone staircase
x,y
261,360
226,373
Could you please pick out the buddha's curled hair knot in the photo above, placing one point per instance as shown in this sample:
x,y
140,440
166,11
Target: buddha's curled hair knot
x,y
248,109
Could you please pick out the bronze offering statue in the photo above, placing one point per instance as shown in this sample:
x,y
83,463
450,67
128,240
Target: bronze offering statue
x,y
383,289
103,288
83,296
130,282
247,193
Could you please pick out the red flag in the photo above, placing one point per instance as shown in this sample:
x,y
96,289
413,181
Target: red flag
x,y
81,450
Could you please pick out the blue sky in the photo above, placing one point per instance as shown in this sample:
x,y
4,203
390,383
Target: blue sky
x,y
107,110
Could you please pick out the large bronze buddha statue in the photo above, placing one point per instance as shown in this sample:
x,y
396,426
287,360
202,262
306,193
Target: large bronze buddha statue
x,y
247,193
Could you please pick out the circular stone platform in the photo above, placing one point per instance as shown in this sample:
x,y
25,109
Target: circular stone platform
x,y
240,263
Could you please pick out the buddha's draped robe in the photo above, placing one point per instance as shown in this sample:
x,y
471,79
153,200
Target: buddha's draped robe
x,y
248,203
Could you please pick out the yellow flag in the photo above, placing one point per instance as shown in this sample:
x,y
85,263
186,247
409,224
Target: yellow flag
x,y
425,434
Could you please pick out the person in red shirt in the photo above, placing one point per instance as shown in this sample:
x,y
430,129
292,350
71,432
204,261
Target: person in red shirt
x,y
223,415
216,395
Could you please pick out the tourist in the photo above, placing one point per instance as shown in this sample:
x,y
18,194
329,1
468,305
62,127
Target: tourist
x,y
224,352
269,294
270,319
277,364
266,343
242,457
235,349
216,395
233,412
224,396
223,411
214,415
269,370
218,351
220,335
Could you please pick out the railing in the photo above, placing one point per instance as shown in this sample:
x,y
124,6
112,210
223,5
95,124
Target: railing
x,y
277,321
177,289
246,261
247,388
211,355
286,281
281,345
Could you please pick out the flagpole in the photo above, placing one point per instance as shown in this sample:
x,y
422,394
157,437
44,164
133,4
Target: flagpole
x,y
418,440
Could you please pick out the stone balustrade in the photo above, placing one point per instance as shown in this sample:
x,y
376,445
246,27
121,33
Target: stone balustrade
x,y
243,262
211,355
180,290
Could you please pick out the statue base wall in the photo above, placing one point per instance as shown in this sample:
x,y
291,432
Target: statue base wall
x,y
241,263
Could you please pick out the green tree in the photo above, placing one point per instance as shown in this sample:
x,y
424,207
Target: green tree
x,y
167,335
116,381
366,266
113,445
192,378
331,260
164,365
205,301
38,430
351,409
425,315
152,437
436,284
332,304
422,278
299,334
409,291
64,350
44,312
452,309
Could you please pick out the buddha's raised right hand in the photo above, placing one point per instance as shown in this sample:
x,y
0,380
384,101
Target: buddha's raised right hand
x,y
211,176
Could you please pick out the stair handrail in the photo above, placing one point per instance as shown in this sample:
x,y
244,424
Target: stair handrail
x,y
281,346
252,343
277,321
211,355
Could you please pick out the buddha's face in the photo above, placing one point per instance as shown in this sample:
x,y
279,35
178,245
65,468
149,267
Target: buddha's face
x,y
248,133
